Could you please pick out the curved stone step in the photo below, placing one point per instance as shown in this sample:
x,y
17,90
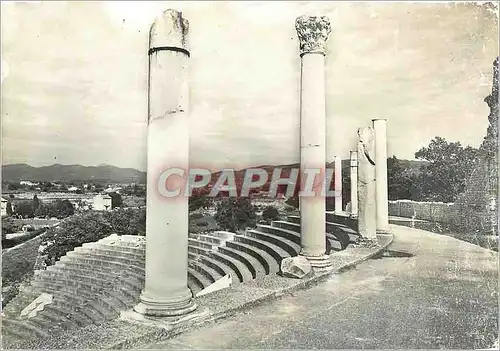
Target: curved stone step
x,y
111,252
102,306
98,264
220,267
289,246
225,235
119,248
193,285
284,233
293,219
200,243
193,256
60,319
128,280
212,240
198,250
333,244
237,266
343,233
294,227
111,300
342,244
341,219
18,303
134,279
265,259
252,264
201,280
210,273
93,284
23,327
273,250
115,258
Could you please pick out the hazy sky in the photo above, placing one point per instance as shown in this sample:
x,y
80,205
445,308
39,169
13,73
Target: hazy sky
x,y
74,78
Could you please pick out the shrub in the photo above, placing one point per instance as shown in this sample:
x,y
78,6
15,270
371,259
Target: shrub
x,y
234,214
202,224
196,216
293,201
127,221
270,213
91,226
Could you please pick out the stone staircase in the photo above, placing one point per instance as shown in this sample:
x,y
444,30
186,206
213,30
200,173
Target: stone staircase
x,y
93,283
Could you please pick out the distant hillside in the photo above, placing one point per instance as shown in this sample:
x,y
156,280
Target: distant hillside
x,y
72,173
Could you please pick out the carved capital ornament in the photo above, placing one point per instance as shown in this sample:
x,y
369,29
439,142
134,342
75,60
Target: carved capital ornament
x,y
313,33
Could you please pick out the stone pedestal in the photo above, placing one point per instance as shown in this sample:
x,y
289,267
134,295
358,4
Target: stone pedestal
x,y
380,130
338,184
354,182
166,292
313,33
367,209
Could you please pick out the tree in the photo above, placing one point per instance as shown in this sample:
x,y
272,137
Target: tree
x,y
293,201
73,232
91,226
116,200
400,180
64,208
127,221
25,209
234,214
9,208
199,199
270,213
35,203
449,166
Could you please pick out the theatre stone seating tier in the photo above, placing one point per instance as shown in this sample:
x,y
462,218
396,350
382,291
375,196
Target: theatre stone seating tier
x,y
94,282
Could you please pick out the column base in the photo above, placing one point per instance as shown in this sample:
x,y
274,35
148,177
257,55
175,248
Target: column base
x,y
383,231
158,308
320,263
168,322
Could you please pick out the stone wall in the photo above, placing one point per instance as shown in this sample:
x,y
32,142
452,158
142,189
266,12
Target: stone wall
x,y
18,262
427,211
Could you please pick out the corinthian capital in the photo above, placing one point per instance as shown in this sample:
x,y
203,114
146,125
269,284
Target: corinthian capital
x,y
313,33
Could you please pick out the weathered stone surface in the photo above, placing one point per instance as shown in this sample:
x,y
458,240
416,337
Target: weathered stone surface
x,y
367,209
313,33
477,204
295,267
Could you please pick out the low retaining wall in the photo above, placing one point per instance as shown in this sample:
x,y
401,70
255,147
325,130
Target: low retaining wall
x,y
18,261
459,216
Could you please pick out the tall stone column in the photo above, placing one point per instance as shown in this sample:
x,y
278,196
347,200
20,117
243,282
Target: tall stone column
x,y
166,292
338,184
380,128
313,33
354,182
367,207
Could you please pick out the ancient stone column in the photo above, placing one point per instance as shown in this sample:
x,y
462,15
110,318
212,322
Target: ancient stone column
x,y
367,205
313,33
380,128
354,182
166,292
338,184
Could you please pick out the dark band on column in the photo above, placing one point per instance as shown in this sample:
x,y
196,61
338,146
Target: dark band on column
x,y
168,48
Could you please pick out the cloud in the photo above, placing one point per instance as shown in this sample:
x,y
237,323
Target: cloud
x,y
76,85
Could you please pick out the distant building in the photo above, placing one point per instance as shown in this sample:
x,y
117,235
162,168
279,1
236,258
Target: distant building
x,y
113,190
102,202
73,188
4,207
27,183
